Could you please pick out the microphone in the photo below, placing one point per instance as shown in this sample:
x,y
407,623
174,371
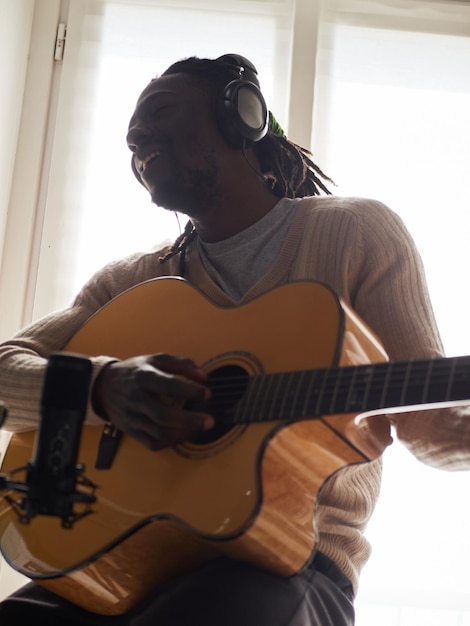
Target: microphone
x,y
52,475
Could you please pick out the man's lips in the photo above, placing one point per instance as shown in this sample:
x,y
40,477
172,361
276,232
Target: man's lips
x,y
142,165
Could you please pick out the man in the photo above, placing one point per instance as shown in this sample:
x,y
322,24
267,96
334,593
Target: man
x,y
204,144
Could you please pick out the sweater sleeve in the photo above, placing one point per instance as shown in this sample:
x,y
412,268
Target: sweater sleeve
x,y
23,359
391,295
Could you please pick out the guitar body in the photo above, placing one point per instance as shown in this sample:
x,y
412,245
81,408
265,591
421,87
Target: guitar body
x,y
249,494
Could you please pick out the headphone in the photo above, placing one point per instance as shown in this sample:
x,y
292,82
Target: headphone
x,y
241,111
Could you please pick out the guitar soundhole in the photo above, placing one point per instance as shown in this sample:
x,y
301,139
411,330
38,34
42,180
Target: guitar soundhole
x,y
228,384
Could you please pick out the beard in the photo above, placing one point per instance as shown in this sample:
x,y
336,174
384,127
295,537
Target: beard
x,y
187,190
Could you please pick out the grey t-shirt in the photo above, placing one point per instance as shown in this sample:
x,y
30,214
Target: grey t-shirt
x,y
238,262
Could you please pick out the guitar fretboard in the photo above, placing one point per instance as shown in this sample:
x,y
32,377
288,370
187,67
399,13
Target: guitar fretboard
x,y
337,390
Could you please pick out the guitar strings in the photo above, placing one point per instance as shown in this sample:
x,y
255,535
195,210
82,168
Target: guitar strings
x,y
347,381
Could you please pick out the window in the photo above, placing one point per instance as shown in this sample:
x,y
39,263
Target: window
x,y
390,120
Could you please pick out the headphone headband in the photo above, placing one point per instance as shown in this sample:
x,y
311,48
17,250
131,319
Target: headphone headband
x,y
245,68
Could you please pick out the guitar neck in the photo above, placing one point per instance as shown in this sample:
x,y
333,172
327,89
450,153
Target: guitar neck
x,y
355,389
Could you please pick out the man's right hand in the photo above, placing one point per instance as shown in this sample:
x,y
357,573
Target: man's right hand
x,y
144,397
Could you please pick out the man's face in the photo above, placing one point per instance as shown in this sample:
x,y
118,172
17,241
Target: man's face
x,y
176,144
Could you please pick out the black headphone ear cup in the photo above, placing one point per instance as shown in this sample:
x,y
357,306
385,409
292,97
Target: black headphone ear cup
x,y
242,113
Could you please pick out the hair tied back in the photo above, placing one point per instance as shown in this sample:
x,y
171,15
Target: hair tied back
x,y
274,126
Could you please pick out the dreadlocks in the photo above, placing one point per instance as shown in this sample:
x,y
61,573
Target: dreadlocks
x,y
285,167
288,168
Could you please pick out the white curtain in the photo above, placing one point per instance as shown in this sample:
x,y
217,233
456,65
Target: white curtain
x,y
15,26
390,118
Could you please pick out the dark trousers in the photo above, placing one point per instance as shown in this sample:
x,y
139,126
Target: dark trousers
x,y
222,593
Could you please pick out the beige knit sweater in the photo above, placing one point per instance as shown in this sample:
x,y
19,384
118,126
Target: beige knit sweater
x,y
358,247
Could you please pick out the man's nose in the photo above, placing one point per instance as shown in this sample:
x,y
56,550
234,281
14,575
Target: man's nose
x,y
136,136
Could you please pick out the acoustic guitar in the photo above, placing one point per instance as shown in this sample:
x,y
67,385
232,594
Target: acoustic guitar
x,y
299,386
